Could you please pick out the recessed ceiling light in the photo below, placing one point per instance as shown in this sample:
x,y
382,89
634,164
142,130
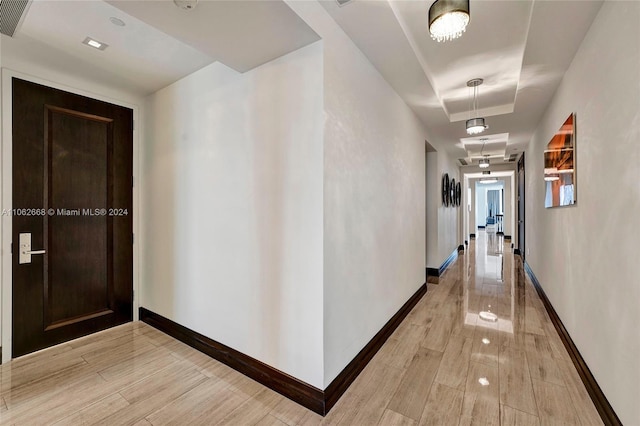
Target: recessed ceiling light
x,y
95,43
483,381
486,341
186,4
117,21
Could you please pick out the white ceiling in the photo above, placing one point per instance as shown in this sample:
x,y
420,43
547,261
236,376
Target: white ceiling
x,y
239,33
161,43
137,52
521,48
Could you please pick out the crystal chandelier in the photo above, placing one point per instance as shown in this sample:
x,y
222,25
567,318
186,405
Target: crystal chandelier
x,y
448,19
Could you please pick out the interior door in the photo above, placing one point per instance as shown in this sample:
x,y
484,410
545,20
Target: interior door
x,y
72,198
521,207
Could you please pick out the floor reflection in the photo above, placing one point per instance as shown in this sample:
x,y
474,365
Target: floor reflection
x,y
478,348
488,298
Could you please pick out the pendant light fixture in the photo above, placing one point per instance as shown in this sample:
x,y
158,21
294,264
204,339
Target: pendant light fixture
x,y
476,124
448,19
484,161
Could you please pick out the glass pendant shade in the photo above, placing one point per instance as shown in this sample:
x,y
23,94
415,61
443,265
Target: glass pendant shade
x,y
448,19
475,126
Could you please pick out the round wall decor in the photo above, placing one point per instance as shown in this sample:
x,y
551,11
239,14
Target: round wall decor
x,y
445,189
452,193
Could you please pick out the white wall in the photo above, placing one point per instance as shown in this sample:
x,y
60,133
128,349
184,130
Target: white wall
x,y
232,239
471,210
374,196
434,201
449,234
509,207
481,205
585,255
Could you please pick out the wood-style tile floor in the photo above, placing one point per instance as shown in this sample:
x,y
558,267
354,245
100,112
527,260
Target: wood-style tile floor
x,y
450,362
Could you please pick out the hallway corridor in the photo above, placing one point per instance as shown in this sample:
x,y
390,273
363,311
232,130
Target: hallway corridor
x,y
478,348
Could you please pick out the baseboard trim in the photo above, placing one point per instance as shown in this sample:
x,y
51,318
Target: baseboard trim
x,y
296,390
608,415
342,382
437,272
449,260
517,252
433,272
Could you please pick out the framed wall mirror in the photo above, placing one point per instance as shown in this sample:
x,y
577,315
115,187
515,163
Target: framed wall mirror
x,y
559,166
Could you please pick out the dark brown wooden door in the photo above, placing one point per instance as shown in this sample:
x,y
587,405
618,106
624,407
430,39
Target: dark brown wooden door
x,y
72,191
521,206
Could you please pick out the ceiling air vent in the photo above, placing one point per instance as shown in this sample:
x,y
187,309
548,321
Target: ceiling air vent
x,y
11,13
463,162
342,2
513,157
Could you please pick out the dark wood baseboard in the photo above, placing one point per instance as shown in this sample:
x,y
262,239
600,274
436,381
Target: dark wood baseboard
x,y
298,391
437,272
294,389
608,415
517,252
342,382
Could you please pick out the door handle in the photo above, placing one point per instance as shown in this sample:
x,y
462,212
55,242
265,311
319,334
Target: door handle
x,y
34,252
25,249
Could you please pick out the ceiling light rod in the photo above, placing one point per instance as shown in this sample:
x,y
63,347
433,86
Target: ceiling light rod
x,y
475,124
448,19
484,161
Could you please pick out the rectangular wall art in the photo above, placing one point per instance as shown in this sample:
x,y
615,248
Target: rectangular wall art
x,y
559,166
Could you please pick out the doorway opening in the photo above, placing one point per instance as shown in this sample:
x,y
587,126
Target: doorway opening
x,y
489,206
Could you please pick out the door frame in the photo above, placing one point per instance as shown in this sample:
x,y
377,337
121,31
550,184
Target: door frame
x,y
477,173
6,183
521,203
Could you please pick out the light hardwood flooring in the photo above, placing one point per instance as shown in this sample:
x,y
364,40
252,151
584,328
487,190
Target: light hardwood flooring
x,y
445,365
